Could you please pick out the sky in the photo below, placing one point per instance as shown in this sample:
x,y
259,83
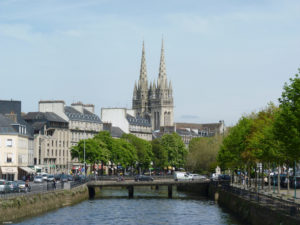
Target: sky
x,y
225,58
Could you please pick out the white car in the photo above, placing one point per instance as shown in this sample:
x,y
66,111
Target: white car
x,y
194,176
181,176
38,179
45,176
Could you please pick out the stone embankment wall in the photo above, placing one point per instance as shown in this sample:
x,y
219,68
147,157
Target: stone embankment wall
x,y
33,204
250,212
201,189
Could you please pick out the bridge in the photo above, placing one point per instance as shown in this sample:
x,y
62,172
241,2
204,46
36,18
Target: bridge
x,y
130,184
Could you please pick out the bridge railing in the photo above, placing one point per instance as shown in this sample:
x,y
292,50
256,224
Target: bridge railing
x,y
115,177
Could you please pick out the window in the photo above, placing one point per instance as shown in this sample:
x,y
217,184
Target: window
x,y
9,143
9,158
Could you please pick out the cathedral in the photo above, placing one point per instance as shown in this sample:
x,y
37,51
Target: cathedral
x,y
154,100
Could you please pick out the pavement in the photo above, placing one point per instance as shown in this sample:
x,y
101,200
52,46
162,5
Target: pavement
x,y
283,194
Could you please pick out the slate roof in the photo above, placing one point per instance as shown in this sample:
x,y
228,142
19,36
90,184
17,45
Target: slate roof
x,y
138,121
203,126
86,116
116,132
44,116
5,125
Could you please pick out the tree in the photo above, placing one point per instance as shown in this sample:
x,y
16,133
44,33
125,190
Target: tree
x,y
123,153
160,155
143,149
94,151
174,146
202,156
287,122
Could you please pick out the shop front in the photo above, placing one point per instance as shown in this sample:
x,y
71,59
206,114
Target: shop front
x,y
9,173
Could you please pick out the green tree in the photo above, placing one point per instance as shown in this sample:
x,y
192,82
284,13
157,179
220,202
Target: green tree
x,y
174,146
287,122
123,153
94,151
143,149
160,155
202,156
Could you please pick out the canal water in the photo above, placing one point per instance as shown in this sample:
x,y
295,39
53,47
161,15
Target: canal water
x,y
149,206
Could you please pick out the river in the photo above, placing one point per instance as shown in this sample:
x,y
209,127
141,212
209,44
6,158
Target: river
x,y
148,206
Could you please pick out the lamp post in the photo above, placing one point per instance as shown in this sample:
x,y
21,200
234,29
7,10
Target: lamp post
x,y
84,153
295,182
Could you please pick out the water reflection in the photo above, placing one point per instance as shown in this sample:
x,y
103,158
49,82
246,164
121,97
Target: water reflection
x,y
149,206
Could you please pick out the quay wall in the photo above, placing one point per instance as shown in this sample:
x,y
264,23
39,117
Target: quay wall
x,y
201,189
250,212
29,205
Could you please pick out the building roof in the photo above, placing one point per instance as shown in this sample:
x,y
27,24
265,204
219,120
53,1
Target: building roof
x,y
138,121
44,116
8,126
5,125
116,132
86,116
203,126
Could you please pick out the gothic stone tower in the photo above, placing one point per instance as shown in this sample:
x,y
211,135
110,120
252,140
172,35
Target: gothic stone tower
x,y
156,101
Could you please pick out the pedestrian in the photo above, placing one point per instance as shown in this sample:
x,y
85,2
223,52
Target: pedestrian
x,y
54,183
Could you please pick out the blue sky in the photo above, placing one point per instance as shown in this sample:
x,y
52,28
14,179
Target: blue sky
x,y
225,58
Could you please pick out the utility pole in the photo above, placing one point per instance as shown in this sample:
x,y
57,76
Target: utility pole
x,y
84,153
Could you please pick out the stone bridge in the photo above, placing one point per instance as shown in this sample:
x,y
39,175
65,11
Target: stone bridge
x,y
130,184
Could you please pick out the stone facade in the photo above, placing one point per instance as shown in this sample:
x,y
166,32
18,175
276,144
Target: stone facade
x,y
82,123
51,141
127,121
16,142
154,102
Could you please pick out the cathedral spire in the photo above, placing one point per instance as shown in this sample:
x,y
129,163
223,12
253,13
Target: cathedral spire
x,y
143,71
162,76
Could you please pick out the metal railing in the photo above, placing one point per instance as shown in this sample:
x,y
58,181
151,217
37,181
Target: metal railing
x,y
286,206
41,188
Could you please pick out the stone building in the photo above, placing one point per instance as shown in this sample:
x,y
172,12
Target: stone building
x,y
188,131
83,123
16,142
154,101
51,140
127,121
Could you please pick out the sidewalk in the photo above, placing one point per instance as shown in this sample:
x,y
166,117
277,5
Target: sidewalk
x,y
273,192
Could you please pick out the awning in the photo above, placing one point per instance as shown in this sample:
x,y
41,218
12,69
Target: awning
x,y
27,169
8,170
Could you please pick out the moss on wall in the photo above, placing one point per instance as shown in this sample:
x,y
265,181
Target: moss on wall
x,y
251,212
34,204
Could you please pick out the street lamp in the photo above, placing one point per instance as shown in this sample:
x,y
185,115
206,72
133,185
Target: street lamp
x,y
84,153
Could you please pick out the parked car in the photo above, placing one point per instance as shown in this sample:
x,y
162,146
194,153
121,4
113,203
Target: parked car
x,y
224,177
45,176
143,178
50,178
57,177
180,176
274,179
64,178
297,182
13,186
194,176
80,178
70,177
38,179
22,186
4,188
